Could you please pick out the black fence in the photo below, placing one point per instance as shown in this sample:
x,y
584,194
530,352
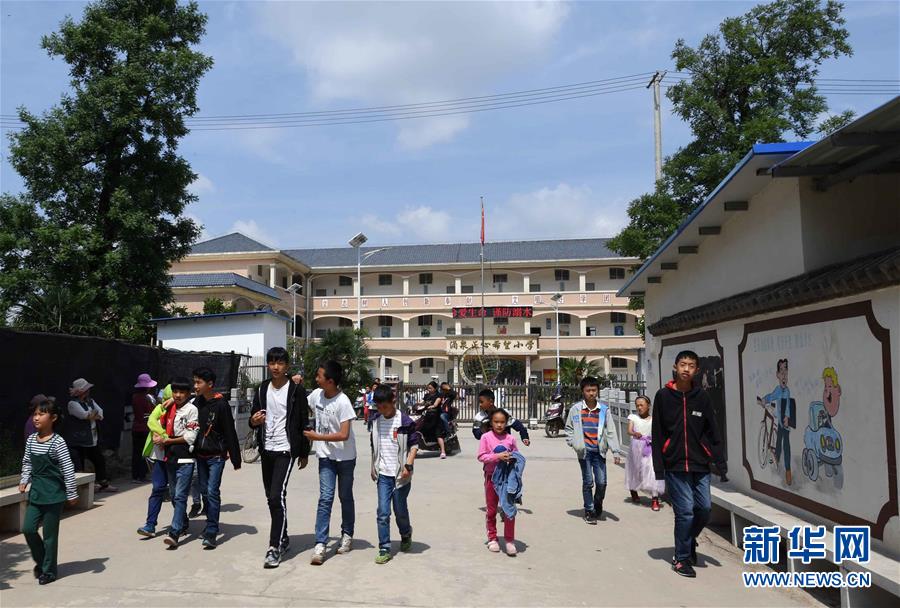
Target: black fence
x,y
32,363
524,401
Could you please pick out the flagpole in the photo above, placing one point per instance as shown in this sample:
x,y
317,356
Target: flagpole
x,y
482,276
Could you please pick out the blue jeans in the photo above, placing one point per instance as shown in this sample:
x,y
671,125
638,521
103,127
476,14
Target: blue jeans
x,y
445,420
179,487
159,476
593,471
210,473
691,503
333,473
388,494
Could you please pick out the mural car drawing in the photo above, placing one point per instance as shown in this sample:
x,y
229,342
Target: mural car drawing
x,y
823,444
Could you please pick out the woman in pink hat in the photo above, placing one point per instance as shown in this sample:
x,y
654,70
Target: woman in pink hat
x,y
142,403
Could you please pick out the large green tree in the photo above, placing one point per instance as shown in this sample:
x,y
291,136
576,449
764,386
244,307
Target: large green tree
x,y
748,83
102,215
347,347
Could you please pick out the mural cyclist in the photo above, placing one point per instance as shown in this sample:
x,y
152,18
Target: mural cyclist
x,y
785,413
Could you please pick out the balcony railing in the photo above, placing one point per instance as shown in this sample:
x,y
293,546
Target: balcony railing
x,y
442,302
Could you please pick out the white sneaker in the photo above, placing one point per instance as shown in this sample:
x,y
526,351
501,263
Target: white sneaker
x,y
318,555
346,544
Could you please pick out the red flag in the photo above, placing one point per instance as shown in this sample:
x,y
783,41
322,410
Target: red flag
x,y
482,221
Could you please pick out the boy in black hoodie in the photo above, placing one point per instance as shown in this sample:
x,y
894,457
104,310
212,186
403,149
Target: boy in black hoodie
x,y
216,441
685,441
280,414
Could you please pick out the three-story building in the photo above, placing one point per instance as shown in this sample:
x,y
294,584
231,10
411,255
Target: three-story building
x,y
421,303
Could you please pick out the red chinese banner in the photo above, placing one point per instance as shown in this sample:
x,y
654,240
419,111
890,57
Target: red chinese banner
x,y
476,312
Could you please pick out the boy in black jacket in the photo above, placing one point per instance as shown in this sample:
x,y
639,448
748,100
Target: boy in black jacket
x,y
685,441
216,441
280,414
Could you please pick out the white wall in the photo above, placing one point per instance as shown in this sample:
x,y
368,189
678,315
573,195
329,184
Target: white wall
x,y
246,334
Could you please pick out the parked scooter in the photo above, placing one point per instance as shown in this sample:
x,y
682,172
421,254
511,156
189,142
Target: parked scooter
x,y
555,416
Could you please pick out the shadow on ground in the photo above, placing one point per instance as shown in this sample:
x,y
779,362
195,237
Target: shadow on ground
x,y
579,513
665,554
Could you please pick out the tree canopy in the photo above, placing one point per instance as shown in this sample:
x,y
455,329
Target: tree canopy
x,y
101,217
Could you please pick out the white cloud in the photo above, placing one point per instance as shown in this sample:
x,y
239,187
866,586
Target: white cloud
x,y
254,231
414,224
399,53
202,185
563,211
204,235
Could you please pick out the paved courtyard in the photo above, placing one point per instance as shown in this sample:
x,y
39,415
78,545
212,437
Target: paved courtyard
x,y
623,561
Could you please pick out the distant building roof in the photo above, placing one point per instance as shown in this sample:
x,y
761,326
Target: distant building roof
x,y
220,314
220,279
230,243
458,253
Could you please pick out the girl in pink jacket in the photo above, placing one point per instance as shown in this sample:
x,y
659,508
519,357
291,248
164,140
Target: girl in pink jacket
x,y
496,446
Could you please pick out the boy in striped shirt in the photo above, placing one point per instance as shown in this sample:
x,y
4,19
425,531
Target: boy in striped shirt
x,y
591,431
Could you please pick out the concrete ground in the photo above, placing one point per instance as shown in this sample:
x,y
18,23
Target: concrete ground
x,y
623,561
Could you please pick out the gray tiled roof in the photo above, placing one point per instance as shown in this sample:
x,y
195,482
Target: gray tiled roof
x,y
868,273
458,253
230,243
220,279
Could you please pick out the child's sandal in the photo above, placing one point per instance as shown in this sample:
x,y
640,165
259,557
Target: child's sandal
x,y
493,546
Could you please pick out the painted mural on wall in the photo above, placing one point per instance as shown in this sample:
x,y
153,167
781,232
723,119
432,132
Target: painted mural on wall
x,y
711,373
815,426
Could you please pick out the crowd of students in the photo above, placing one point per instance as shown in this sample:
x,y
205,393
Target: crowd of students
x,y
191,432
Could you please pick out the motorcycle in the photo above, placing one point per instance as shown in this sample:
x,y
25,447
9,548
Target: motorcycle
x,y
555,417
418,413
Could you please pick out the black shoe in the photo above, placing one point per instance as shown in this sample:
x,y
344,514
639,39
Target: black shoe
x,y
694,560
684,569
37,572
598,509
273,558
590,517
46,578
209,541
171,540
195,510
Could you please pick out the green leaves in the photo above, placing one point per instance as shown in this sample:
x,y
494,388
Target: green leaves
x,y
347,347
106,186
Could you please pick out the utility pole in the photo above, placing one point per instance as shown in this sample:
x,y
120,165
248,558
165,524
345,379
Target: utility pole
x,y
657,124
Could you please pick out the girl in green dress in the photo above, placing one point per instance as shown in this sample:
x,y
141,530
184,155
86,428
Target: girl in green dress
x,y
47,466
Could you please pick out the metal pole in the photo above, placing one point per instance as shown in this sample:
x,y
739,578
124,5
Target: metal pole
x,y
358,287
657,121
558,375
294,327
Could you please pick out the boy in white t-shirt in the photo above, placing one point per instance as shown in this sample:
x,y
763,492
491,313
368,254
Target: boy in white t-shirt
x,y
336,452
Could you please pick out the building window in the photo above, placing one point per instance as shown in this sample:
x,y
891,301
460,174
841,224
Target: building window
x,y
535,331
549,323
259,270
501,321
500,278
425,278
451,331
388,363
321,333
591,330
617,317
426,363
616,273
425,321
451,288
619,330
560,274
385,321
342,322
440,324
534,287
321,293
284,282
590,287
385,279
345,281
467,289
565,318
468,331
618,363
385,332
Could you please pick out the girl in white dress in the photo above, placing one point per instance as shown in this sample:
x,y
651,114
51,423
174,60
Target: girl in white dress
x,y
639,475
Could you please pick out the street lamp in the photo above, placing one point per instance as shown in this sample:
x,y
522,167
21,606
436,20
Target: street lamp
x,y
357,242
294,289
556,298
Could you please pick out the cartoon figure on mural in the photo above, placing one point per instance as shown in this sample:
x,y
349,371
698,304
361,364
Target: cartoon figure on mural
x,y
823,444
780,417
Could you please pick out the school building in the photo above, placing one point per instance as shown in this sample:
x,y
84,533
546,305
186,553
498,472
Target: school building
x,y
786,282
421,303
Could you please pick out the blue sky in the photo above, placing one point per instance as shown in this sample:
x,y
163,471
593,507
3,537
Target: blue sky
x,y
558,170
